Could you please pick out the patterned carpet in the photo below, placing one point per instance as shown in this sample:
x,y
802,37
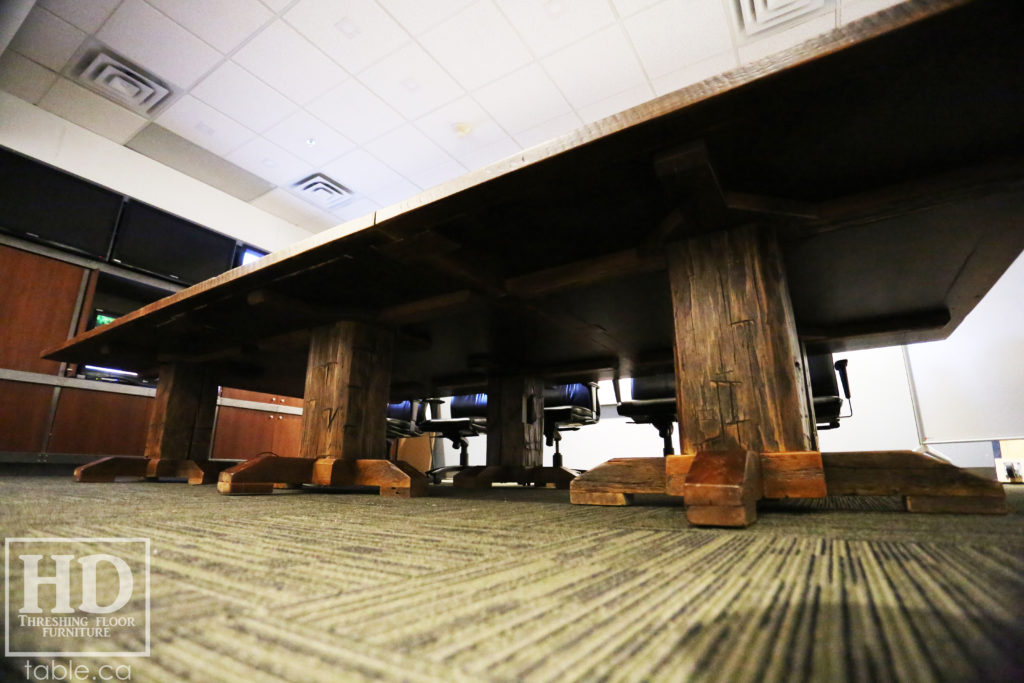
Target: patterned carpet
x,y
517,584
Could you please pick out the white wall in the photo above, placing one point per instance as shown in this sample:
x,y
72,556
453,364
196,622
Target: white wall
x,y
37,133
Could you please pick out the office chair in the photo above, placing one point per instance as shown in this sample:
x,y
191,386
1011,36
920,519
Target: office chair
x,y
403,419
567,407
654,403
468,419
825,391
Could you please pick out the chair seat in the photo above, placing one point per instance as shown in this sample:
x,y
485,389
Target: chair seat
x,y
457,426
643,411
569,417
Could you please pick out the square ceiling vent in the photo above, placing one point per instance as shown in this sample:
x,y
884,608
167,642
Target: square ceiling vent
x,y
325,192
117,80
759,16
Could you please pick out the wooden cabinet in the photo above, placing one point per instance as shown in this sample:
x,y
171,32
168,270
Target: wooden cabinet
x,y
37,303
100,423
24,414
242,434
273,399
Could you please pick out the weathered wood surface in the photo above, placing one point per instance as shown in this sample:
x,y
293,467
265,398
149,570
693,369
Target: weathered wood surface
x,y
181,424
347,383
739,381
723,487
621,476
676,468
262,475
515,421
110,468
793,475
901,473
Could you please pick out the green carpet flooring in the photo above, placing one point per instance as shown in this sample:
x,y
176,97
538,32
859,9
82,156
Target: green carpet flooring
x,y
517,584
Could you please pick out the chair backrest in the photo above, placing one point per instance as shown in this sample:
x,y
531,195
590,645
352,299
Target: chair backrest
x,y
578,394
404,409
469,405
823,375
654,386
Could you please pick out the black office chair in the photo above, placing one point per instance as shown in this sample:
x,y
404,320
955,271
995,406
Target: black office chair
x,y
828,404
468,419
654,403
567,407
404,419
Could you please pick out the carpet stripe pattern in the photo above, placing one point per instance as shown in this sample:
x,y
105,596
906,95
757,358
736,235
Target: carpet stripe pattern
x,y
517,584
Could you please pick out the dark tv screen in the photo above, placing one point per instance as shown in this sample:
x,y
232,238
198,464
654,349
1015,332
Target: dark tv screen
x,y
41,203
157,242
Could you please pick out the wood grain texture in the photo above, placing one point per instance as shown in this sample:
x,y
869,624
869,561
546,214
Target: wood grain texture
x,y
722,488
24,414
902,473
100,423
676,469
181,422
739,379
793,475
37,303
243,434
110,468
515,421
347,381
620,476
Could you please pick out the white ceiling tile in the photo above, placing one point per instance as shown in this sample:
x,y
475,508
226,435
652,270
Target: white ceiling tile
x,y
488,154
270,162
205,126
355,209
439,174
462,128
287,206
158,44
677,33
628,7
88,16
277,5
523,99
295,133
549,130
355,112
694,73
222,23
232,90
361,172
356,33
278,55
595,68
392,194
851,10
89,110
616,103
47,39
548,25
476,46
23,78
758,48
411,82
408,151
416,16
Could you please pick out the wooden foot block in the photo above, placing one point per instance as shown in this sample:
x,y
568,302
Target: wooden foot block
x,y
395,479
971,505
265,471
109,469
722,515
558,477
722,488
618,477
798,474
676,469
599,498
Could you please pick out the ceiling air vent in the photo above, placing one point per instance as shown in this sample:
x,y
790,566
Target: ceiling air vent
x,y
111,77
757,16
323,191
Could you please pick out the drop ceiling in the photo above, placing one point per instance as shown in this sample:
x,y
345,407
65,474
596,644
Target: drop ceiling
x,y
282,102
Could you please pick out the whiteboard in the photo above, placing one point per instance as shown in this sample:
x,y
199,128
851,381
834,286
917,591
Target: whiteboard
x,y
970,386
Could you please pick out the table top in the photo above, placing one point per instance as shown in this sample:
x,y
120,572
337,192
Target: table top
x,y
888,156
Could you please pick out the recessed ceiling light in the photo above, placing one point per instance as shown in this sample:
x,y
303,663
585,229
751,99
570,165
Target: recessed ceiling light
x,y
462,129
310,141
348,28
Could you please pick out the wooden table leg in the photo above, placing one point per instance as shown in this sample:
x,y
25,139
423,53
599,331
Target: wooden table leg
x,y
179,433
515,437
343,421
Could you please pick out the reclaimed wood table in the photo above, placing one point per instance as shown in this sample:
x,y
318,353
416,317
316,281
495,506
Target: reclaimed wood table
x,y
860,190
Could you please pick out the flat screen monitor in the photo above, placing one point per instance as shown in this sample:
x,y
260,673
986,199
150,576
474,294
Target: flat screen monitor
x,y
154,241
43,204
